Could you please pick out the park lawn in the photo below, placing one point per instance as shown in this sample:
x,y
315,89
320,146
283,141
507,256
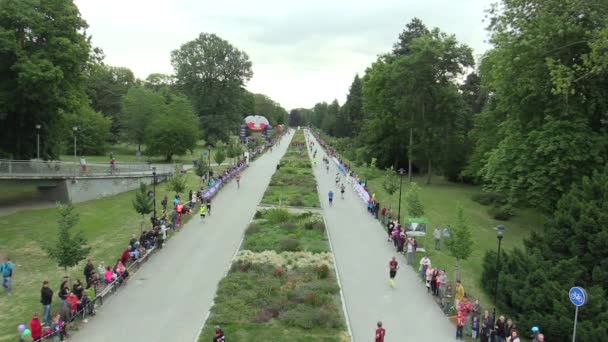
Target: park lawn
x,y
294,183
107,223
440,200
127,153
276,229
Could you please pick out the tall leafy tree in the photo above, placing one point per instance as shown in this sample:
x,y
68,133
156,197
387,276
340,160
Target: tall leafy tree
x,y
212,73
173,131
141,107
295,118
70,247
44,50
549,84
94,130
570,251
265,106
414,29
106,86
352,110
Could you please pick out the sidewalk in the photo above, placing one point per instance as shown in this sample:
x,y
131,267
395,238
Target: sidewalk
x,y
168,299
362,255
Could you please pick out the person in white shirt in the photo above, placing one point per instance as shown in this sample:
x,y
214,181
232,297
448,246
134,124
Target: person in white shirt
x,y
437,236
425,263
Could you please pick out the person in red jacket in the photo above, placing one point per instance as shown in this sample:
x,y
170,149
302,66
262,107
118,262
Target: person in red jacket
x,y
126,255
380,332
36,327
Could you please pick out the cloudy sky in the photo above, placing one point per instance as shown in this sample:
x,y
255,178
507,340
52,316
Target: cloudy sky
x,y
302,52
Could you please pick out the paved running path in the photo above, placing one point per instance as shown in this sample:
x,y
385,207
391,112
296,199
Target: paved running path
x,y
168,298
362,255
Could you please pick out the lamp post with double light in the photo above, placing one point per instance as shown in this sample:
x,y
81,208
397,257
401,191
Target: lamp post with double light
x,y
38,141
500,232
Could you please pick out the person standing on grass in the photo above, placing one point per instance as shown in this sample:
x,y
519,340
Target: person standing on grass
x,y
383,215
437,236
36,328
380,332
164,203
411,251
88,269
46,299
459,294
393,266
6,269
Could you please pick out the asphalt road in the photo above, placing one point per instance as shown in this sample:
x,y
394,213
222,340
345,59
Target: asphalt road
x,y
362,255
169,297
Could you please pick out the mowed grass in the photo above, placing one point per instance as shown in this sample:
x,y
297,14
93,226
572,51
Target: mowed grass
x,y
441,200
276,229
294,183
107,223
127,153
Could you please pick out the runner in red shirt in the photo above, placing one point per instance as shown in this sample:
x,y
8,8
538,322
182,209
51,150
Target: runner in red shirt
x,y
393,266
380,332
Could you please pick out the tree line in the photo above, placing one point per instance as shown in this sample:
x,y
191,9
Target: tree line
x,y
528,122
52,76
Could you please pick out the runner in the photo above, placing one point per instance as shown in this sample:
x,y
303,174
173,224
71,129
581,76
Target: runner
x,y
342,188
209,207
394,266
337,179
238,180
380,332
203,212
327,168
331,197
314,161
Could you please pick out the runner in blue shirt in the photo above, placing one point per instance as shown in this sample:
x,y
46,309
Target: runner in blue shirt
x,y
331,197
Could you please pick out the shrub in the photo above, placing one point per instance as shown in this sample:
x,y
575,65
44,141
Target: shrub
x,y
322,271
309,225
300,316
297,201
289,245
502,213
287,226
304,215
253,228
489,198
263,316
277,215
258,215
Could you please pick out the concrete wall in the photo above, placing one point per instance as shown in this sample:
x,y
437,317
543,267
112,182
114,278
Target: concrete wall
x,y
86,189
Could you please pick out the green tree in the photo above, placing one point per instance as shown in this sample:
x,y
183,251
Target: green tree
x,y
93,131
412,200
70,247
569,251
390,183
142,107
177,182
460,243
548,102
414,29
234,150
202,167
173,132
43,52
212,73
143,203
106,86
265,106
352,111
220,154
295,118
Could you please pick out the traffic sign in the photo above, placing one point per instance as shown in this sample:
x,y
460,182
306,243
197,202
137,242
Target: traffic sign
x,y
578,296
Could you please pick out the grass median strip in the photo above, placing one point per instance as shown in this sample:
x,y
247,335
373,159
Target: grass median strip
x,y
293,184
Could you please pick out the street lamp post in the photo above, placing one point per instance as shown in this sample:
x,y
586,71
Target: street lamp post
x,y
154,189
75,128
38,142
401,170
500,232
209,163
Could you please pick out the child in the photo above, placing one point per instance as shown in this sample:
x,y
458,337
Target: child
x,y
460,319
475,327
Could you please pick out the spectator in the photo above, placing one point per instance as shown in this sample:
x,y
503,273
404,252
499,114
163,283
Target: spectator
x,y
501,335
109,275
425,263
94,281
459,293
513,337
383,215
509,327
460,321
101,269
486,326
6,269
46,299
64,290
88,269
475,328
429,278
437,236
443,283
77,289
73,302
164,203
36,327
411,251
126,255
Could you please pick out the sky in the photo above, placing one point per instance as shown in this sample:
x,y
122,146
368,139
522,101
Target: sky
x,y
303,52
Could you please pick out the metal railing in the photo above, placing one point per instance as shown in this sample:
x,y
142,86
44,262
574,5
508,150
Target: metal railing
x,y
40,168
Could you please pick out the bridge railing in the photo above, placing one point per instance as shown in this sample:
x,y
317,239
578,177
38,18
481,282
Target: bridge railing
x,y
32,168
